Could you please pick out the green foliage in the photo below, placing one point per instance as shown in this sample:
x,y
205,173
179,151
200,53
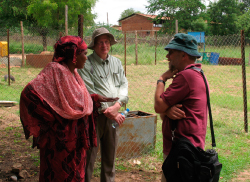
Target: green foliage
x,y
127,13
199,25
46,15
14,11
244,6
243,23
223,16
219,18
185,11
116,33
43,12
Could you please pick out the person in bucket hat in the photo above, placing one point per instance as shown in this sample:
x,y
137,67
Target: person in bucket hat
x,y
101,31
184,101
104,74
184,42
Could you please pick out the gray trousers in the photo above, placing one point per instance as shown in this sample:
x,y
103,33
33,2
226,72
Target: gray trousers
x,y
107,139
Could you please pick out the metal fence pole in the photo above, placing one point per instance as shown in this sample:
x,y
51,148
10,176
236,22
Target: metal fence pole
x,y
8,42
125,52
155,46
244,80
136,49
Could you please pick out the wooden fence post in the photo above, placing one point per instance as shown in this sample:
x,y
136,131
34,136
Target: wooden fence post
x,y
136,49
66,20
80,26
249,59
176,26
22,40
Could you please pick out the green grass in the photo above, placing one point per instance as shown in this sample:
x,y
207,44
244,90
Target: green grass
x,y
146,53
22,77
226,92
16,48
227,109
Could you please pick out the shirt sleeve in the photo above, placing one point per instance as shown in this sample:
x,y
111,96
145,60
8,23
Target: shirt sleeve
x,y
87,77
176,92
123,90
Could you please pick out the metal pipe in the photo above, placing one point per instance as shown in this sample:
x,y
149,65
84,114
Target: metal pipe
x,y
244,80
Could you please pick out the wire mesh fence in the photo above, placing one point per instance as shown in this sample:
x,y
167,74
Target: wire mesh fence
x,y
222,64
144,60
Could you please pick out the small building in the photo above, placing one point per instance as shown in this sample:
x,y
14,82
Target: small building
x,y
117,27
144,23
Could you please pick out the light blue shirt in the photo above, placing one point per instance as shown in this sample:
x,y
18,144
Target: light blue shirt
x,y
105,77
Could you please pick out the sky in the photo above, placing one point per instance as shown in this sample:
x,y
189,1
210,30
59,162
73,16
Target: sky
x,y
114,8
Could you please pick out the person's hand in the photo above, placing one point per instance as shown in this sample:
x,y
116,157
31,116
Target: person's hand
x,y
175,112
106,99
112,111
168,74
119,119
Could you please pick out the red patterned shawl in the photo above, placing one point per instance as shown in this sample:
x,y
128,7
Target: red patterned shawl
x,y
65,93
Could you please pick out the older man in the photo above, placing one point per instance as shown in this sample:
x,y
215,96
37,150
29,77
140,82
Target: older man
x,y
184,101
103,74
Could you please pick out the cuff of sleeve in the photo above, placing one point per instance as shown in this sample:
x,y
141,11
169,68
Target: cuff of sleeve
x,y
123,99
121,103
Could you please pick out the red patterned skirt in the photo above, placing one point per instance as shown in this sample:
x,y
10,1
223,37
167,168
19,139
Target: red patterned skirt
x,y
62,166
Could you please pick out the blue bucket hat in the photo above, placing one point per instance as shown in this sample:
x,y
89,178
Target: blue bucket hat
x,y
184,42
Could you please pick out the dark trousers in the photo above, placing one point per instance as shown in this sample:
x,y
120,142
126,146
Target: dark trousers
x,y
107,138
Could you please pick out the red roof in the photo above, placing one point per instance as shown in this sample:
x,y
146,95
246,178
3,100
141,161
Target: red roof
x,y
145,15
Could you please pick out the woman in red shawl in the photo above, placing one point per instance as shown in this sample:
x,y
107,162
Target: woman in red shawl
x,y
58,111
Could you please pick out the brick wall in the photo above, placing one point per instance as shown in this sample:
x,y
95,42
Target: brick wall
x,y
230,61
38,60
137,22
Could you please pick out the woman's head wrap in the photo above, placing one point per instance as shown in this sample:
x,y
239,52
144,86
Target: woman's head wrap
x,y
68,47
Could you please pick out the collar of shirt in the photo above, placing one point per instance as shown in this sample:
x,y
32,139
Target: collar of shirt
x,y
198,65
100,60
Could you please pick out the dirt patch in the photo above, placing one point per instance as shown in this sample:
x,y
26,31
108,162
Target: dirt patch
x,y
18,55
243,176
14,148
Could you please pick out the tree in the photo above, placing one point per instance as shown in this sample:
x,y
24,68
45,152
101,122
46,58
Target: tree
x,y
127,13
244,6
243,23
14,11
199,25
50,14
223,16
185,11
43,12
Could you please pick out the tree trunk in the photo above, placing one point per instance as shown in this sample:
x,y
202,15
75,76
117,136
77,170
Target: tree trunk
x,y
44,42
